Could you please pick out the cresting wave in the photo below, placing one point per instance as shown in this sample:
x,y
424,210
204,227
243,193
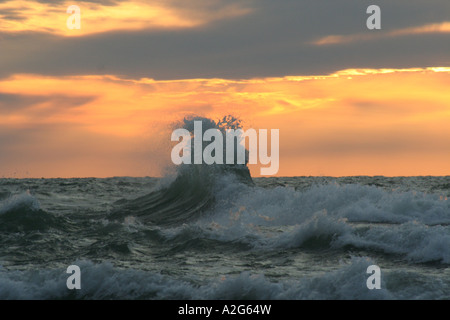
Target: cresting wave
x,y
23,201
213,232
104,281
414,225
22,212
192,192
222,203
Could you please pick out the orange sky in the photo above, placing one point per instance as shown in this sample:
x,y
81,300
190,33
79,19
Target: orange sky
x,y
58,121
354,122
97,18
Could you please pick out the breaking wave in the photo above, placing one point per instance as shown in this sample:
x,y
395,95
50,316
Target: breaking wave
x,y
104,281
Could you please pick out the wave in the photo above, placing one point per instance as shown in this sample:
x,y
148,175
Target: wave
x,y
23,201
331,217
22,212
418,242
222,203
192,192
104,281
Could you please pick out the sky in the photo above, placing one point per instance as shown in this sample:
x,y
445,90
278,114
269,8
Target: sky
x,y
102,100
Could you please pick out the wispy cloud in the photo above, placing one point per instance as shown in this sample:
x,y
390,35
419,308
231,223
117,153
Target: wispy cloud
x,y
99,16
433,28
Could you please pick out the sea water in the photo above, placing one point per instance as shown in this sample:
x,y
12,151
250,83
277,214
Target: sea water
x,y
221,237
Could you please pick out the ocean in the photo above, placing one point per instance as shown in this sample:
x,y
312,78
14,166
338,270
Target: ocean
x,y
220,234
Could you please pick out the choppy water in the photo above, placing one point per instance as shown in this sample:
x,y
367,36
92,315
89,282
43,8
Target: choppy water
x,y
218,236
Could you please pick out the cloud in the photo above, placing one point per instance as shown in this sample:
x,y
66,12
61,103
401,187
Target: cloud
x,y
106,124
235,39
125,76
100,16
38,104
434,28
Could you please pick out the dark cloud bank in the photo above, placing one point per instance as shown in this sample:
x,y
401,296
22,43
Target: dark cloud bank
x,y
273,40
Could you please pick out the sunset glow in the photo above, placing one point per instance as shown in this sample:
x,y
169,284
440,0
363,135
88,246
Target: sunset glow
x,y
97,18
102,100
348,123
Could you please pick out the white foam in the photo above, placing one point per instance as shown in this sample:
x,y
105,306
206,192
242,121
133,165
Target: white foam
x,y
420,243
104,281
24,199
286,218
